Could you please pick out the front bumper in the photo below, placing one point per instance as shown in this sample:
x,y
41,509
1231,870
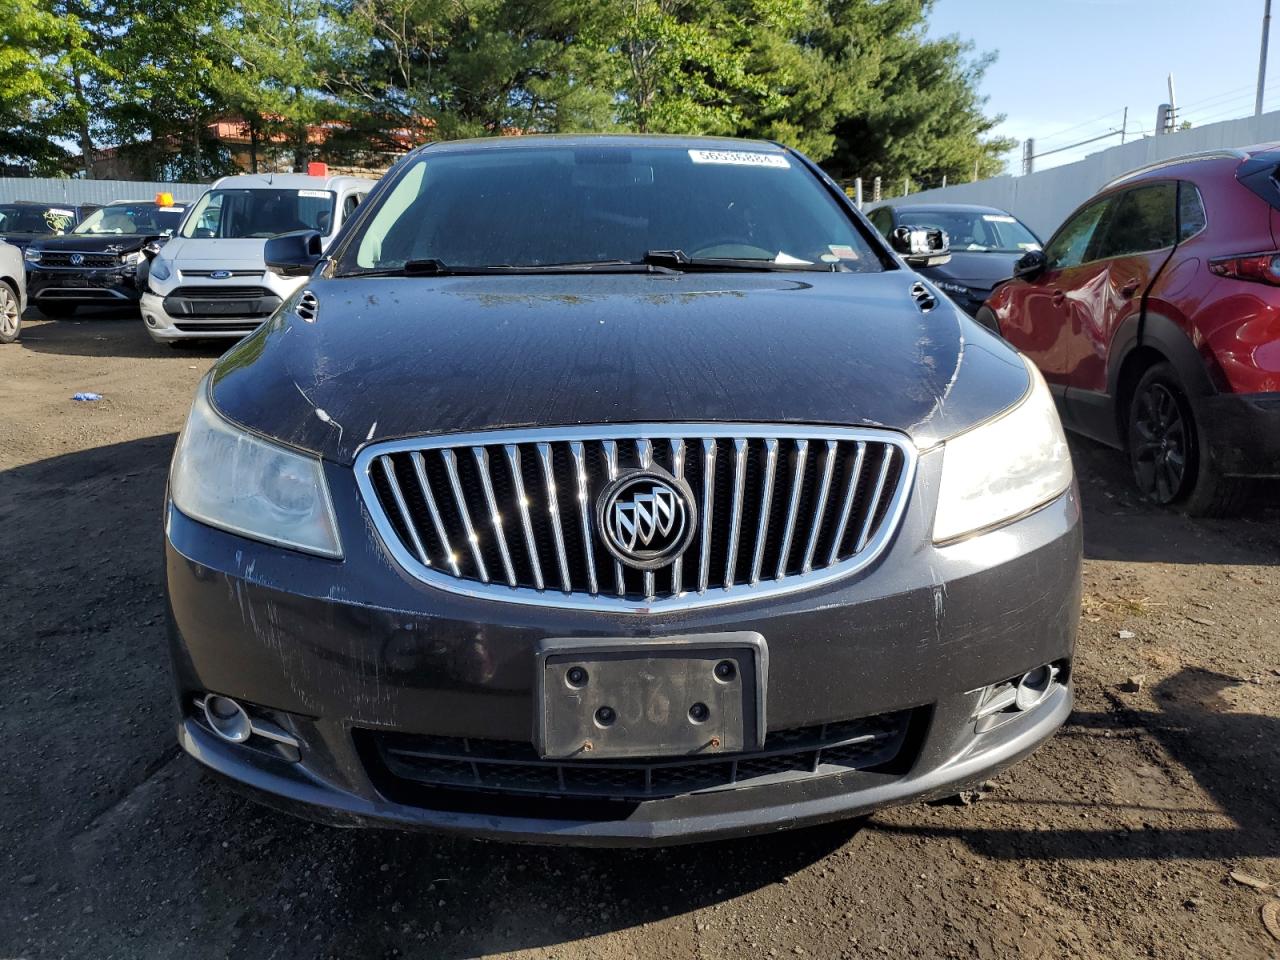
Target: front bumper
x,y
1243,433
340,651
166,324
100,287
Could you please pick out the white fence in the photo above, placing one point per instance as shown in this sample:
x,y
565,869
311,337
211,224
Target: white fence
x,y
64,190
1042,200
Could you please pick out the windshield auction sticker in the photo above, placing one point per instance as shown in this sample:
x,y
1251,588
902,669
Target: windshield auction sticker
x,y
739,158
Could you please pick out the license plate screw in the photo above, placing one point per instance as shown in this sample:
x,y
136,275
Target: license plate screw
x,y
587,746
715,743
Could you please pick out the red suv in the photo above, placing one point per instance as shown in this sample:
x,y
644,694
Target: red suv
x,y
1154,314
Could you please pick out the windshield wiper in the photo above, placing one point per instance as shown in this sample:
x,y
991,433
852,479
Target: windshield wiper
x,y
682,261
434,267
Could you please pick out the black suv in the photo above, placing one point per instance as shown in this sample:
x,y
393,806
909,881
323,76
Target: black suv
x,y
616,490
24,221
96,264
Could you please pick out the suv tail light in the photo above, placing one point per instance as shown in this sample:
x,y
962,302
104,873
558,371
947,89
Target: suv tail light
x,y
1262,267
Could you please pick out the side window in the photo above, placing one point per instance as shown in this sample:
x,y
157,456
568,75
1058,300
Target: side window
x,y
1071,242
349,204
1145,220
882,220
1191,218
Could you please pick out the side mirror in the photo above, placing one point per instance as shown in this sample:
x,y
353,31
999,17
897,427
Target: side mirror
x,y
294,254
1030,265
921,246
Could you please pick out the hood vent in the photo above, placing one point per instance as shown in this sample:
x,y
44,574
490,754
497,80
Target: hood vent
x,y
308,306
925,300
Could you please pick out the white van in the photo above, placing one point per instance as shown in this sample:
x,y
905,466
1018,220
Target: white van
x,y
210,279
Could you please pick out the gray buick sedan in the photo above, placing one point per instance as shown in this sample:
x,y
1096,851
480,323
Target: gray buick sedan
x,y
617,490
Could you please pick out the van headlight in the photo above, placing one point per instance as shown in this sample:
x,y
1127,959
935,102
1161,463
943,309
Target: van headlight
x,y
1005,468
237,482
159,269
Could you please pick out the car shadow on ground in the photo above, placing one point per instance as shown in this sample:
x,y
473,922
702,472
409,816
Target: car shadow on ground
x,y
104,332
1120,525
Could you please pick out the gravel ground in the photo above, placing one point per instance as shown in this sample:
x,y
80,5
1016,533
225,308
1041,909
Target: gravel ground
x,y
1115,840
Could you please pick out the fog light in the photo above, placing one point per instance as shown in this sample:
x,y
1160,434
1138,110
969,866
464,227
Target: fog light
x,y
152,321
227,718
1033,687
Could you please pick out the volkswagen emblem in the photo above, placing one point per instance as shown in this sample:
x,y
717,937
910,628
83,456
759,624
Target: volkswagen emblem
x,y
647,518
219,274
77,259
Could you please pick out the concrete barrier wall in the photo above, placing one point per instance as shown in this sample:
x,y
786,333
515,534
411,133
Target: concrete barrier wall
x,y
1043,200
62,190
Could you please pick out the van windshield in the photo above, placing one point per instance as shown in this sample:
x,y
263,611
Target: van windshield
x,y
525,207
259,212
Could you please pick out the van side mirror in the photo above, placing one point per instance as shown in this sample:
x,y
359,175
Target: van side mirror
x,y
294,254
921,246
1030,265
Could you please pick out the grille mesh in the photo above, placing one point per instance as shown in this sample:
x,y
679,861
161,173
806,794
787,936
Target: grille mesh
x,y
518,517
62,258
515,768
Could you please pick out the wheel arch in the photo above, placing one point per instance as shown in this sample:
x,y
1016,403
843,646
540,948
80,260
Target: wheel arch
x,y
1141,343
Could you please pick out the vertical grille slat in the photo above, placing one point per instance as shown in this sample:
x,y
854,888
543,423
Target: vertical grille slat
x,y
708,497
522,503
735,513
611,458
886,462
553,511
420,470
677,471
389,470
828,468
766,501
769,508
495,516
460,501
584,513
797,486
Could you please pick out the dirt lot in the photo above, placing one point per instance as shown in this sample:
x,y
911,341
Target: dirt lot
x,y
1114,840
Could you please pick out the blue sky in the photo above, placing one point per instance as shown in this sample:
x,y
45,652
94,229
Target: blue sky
x,y
1067,68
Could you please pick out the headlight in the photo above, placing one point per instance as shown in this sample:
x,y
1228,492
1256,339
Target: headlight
x,y
31,256
233,480
159,269
1005,468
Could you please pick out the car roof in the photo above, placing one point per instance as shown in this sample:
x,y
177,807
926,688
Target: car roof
x,y
289,181
40,203
601,140
1190,163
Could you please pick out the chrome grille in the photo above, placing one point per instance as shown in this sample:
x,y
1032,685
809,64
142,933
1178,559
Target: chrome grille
x,y
512,514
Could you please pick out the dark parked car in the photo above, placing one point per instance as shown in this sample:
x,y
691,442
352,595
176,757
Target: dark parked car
x,y
96,264
985,244
1154,314
616,490
23,221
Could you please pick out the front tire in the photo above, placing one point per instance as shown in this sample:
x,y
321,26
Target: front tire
x,y
10,314
1167,450
986,316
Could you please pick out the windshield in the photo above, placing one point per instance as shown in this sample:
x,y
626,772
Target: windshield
x,y
526,206
262,213
143,219
974,231
21,218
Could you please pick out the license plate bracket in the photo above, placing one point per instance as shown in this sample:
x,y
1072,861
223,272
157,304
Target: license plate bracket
x,y
691,695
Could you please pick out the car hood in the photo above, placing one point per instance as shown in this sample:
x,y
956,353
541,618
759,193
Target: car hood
x,y
206,254
388,358
94,243
979,270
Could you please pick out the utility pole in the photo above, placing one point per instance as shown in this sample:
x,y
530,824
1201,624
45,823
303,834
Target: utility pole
x,y
1173,107
1262,57
1124,127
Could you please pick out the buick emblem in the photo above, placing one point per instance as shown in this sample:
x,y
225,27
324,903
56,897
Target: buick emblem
x,y
647,518
77,259
219,274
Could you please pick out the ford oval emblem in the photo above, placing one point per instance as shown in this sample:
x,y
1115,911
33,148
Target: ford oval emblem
x,y
647,518
219,274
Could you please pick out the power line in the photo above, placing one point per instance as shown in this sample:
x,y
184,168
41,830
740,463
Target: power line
x,y
1058,134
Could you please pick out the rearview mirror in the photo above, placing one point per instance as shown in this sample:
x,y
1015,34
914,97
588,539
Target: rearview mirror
x,y
921,246
1030,265
294,254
